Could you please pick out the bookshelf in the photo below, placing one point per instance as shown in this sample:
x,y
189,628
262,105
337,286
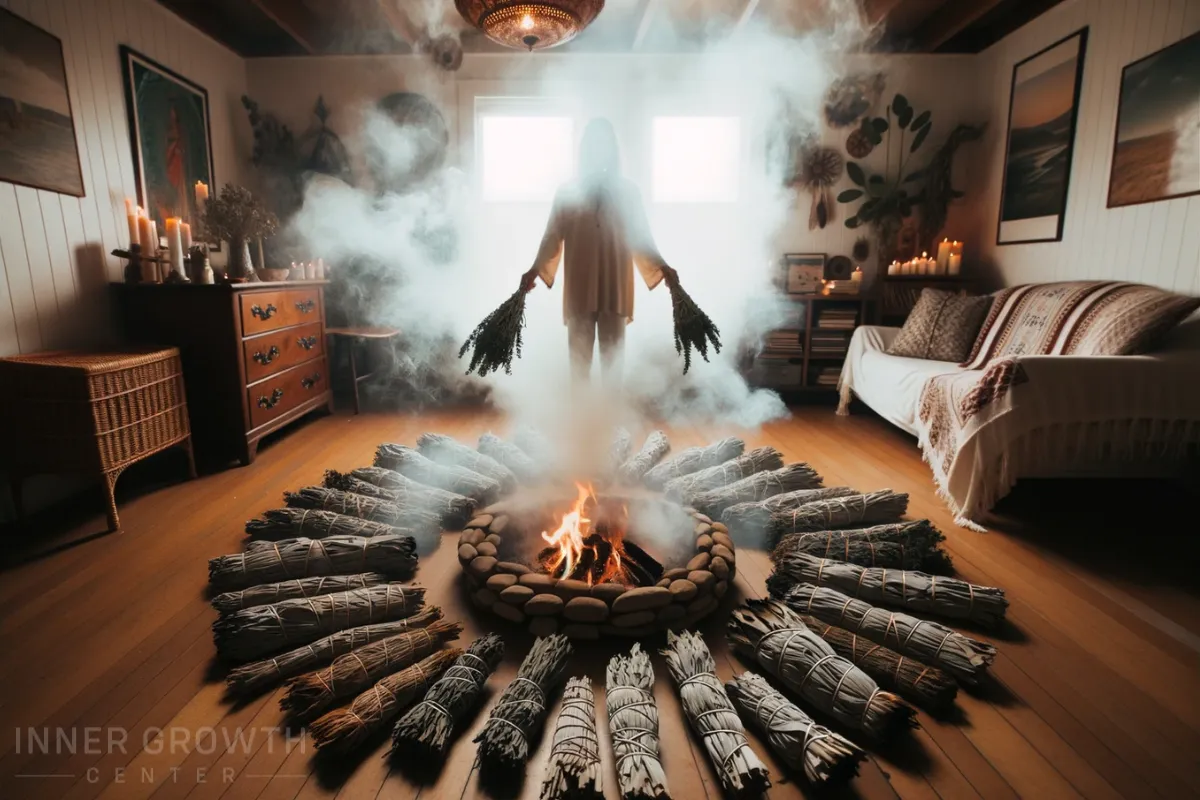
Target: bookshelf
x,y
807,355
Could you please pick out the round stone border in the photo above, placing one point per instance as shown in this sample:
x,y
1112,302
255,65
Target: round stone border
x,y
516,593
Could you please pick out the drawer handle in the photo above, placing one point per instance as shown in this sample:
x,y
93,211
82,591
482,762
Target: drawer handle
x,y
307,342
311,380
261,313
272,401
268,358
305,306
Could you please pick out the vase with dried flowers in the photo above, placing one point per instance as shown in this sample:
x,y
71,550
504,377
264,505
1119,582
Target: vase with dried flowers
x,y
235,216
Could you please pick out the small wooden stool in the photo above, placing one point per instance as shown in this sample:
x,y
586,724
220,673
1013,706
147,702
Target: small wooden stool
x,y
355,336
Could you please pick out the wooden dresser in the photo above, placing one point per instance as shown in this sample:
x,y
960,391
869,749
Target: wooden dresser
x,y
253,355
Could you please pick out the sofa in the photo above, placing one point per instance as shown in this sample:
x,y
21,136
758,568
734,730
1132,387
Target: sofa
x,y
983,428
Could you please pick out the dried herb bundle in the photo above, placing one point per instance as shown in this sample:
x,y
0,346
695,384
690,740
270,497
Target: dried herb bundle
x,y
424,731
444,450
257,632
936,595
268,562
265,593
534,443
619,450
694,459
759,459
770,634
288,523
928,642
511,456
653,449
343,729
453,510
311,694
574,767
762,517
693,328
517,715
497,339
824,757
411,464
422,521
758,486
633,726
903,545
839,512
713,717
252,678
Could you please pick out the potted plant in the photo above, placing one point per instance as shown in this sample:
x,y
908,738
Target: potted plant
x,y
235,216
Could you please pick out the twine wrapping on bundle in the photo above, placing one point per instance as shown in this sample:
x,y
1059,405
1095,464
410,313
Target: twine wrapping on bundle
x,y
410,464
936,595
770,634
764,516
425,730
422,522
652,451
694,459
266,593
504,742
633,726
753,488
713,717
496,341
445,450
270,562
825,758
759,459
290,523
260,631
897,545
344,729
619,450
573,770
883,505
511,456
693,328
256,676
452,510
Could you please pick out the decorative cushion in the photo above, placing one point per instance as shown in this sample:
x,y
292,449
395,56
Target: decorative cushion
x,y
1087,318
941,327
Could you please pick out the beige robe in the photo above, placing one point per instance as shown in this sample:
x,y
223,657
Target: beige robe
x,y
598,242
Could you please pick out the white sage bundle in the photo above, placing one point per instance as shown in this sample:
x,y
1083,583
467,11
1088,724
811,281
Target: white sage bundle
x,y
902,545
573,772
653,449
423,522
410,464
694,459
778,510
287,559
633,726
760,459
290,523
751,489
265,593
445,450
619,450
453,510
511,456
838,512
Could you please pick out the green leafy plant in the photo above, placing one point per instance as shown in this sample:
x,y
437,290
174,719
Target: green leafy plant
x,y
236,215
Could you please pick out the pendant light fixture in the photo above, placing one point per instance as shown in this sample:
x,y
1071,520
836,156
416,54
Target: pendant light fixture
x,y
528,25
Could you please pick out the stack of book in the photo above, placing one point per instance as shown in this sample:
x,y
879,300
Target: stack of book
x,y
827,344
781,357
839,319
827,377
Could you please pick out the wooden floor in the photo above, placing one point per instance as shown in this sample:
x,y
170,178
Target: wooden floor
x,y
1096,693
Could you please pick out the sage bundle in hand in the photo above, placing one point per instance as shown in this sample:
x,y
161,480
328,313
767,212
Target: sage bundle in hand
x,y
265,593
901,545
759,459
573,771
291,523
713,717
693,328
270,562
444,450
753,488
694,459
497,339
633,726
653,449
452,510
410,464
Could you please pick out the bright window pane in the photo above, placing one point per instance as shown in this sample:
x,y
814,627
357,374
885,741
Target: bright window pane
x,y
696,159
525,158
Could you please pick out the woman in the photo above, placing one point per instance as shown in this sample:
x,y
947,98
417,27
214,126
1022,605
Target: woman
x,y
598,230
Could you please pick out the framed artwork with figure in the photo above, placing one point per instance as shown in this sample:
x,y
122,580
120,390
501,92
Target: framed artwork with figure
x,y
171,137
803,272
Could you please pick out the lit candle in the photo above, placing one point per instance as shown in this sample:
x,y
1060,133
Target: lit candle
x,y
149,268
857,275
923,264
175,244
943,256
955,264
894,267
201,195
186,232
320,269
131,217
310,271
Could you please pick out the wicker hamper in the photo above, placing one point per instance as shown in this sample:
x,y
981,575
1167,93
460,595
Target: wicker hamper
x,y
92,413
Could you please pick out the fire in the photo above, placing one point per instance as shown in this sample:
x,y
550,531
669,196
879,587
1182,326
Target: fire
x,y
580,546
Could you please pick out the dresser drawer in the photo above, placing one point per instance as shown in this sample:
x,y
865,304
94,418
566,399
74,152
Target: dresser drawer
x,y
274,352
276,396
268,311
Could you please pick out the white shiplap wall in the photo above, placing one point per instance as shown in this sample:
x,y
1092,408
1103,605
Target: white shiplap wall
x,y
1156,243
54,249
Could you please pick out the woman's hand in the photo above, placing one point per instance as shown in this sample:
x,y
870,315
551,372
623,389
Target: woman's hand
x,y
529,280
670,275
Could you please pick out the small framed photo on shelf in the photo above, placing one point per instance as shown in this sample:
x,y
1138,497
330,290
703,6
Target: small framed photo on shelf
x,y
803,273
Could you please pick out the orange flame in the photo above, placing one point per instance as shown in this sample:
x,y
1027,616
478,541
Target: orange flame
x,y
571,539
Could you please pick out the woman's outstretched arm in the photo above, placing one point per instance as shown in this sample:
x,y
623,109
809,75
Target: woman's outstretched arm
x,y
650,262
549,255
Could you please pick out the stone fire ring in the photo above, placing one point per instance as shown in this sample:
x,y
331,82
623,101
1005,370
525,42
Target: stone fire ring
x,y
516,593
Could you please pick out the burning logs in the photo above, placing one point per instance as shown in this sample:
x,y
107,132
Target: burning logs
x,y
252,678
777,511
772,635
753,488
504,740
713,717
256,632
574,767
760,459
692,460
288,523
424,731
824,757
421,521
928,642
633,726
453,510
653,449
899,545
510,456
265,593
267,562
938,596
344,729
444,450
311,694
534,444
411,464
838,512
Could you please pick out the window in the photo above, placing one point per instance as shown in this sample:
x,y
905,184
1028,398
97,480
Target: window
x,y
524,158
696,159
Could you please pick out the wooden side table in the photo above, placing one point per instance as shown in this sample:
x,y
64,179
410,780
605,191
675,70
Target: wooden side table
x,y
360,336
91,413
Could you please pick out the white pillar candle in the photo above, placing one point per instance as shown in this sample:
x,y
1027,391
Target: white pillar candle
x,y
185,231
310,271
943,256
174,245
954,264
857,275
131,217
201,196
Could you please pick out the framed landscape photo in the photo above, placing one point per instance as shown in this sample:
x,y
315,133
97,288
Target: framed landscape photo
x,y
1042,112
37,130
1156,149
803,272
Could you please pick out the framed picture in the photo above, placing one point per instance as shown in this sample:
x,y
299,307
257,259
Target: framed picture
x,y
1156,149
37,130
171,137
803,272
1043,106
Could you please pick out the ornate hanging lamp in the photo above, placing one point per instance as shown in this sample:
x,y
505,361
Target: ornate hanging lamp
x,y
529,25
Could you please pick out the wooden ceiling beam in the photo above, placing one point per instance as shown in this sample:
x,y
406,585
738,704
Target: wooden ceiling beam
x,y
949,21
645,20
296,21
877,10
748,9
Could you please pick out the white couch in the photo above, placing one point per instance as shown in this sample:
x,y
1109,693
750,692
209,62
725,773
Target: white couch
x,y
1053,416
